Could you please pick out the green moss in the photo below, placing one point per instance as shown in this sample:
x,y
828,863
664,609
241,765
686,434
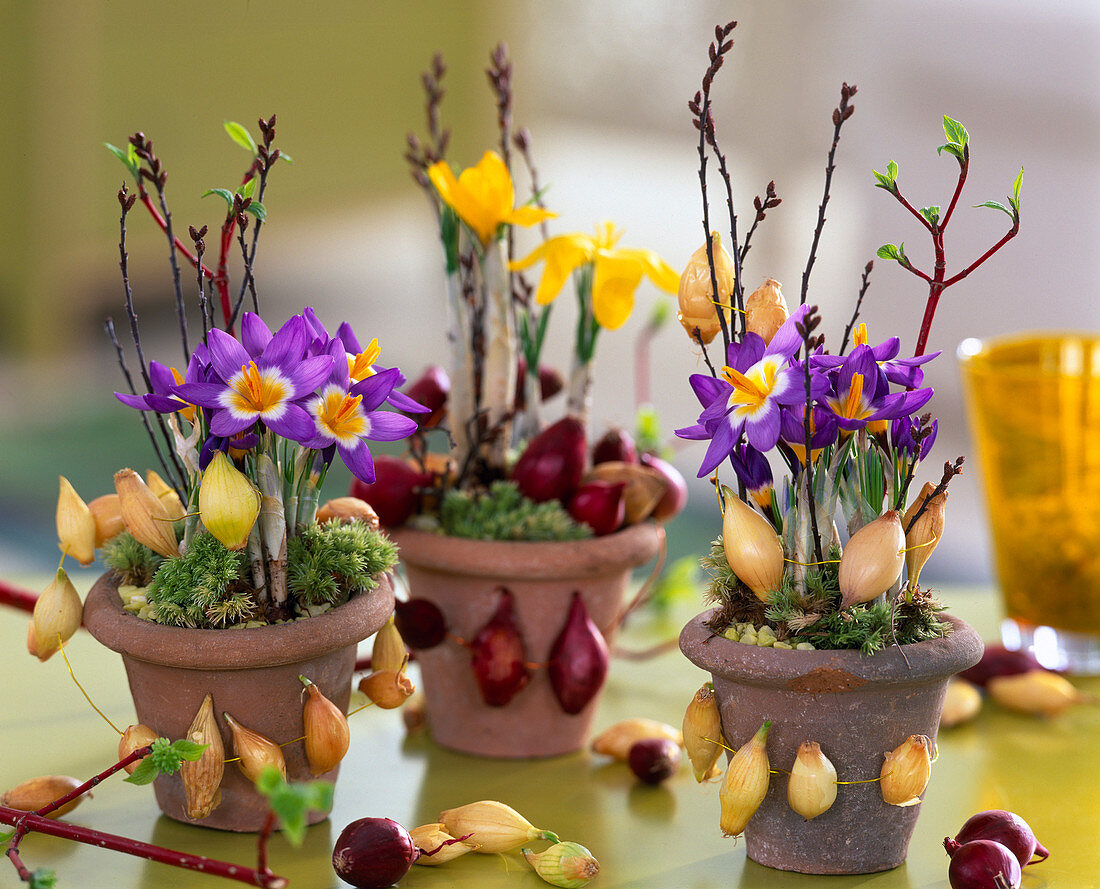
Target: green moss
x,y
329,562
134,562
202,588
503,513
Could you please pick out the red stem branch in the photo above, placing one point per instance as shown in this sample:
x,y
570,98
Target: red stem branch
x,y
988,253
134,756
905,203
963,168
261,845
17,597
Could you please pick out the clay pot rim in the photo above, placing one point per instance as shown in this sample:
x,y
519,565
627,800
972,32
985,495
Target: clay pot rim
x,y
504,559
932,659
203,649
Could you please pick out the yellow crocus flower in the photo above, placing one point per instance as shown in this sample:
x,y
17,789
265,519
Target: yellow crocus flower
x,y
616,275
483,196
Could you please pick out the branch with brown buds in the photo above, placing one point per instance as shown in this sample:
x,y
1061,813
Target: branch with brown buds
x,y
950,470
419,155
864,284
762,205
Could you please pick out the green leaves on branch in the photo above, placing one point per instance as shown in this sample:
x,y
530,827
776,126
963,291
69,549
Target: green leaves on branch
x,y
1013,200
42,878
255,208
895,252
958,140
888,180
165,759
932,214
292,802
241,136
128,157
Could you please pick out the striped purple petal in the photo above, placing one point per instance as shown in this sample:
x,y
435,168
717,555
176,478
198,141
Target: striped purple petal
x,y
389,426
287,346
725,438
292,423
202,394
227,356
358,459
224,424
762,428
787,339
376,388
255,334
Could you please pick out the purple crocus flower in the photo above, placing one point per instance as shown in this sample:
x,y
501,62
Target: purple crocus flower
x,y
861,395
361,364
346,415
263,389
215,443
905,432
755,384
900,371
164,380
823,429
755,473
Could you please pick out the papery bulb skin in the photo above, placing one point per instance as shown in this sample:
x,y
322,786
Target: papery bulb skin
x,y
926,532
58,613
703,732
753,548
566,865
600,505
617,740
644,486
134,737
765,310
552,464
698,309
327,736
745,783
76,527
394,493
106,510
872,560
811,788
615,445
1036,692
347,510
674,499
492,826
33,794
167,495
421,623
254,751
499,659
387,689
202,778
145,515
430,389
1006,828
388,650
905,771
961,703
982,864
578,659
229,503
437,846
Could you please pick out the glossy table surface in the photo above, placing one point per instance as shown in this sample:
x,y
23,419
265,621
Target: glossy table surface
x,y
664,837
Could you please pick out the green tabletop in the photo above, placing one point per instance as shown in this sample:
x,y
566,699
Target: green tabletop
x,y
664,837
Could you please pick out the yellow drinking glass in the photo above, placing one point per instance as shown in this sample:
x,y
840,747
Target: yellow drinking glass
x,y
1034,406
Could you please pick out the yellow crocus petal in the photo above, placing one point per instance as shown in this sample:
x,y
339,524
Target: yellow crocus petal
x,y
458,196
613,287
528,216
562,255
656,269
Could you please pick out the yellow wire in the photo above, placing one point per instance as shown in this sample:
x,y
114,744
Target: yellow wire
x,y
811,564
61,648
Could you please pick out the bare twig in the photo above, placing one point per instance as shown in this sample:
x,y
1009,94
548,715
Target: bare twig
x,y
864,284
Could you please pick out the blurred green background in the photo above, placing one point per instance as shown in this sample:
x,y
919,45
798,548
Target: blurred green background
x,y
603,86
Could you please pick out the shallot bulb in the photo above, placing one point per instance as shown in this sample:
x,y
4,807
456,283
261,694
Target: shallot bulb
x,y
499,657
373,853
1006,828
578,659
982,864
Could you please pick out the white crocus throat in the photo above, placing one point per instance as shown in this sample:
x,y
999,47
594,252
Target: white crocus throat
x,y
255,392
340,416
753,388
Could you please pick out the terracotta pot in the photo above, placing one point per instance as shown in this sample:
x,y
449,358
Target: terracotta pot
x,y
857,708
463,578
252,674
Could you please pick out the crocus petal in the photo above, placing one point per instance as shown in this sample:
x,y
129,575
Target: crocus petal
x,y
227,356
762,428
528,215
225,425
255,334
134,401
376,389
202,394
743,355
656,269
402,402
698,432
306,376
389,426
561,256
293,423
358,459
725,437
708,388
346,335
287,346
163,404
901,403
787,339
161,377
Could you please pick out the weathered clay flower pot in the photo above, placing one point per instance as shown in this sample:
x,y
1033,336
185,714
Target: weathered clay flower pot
x,y
252,674
463,577
857,708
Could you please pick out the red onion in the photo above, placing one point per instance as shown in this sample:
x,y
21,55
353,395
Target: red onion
x,y
420,623
600,505
373,853
550,383
982,864
578,659
431,390
615,446
1006,828
654,759
552,465
676,494
394,492
499,658
1000,661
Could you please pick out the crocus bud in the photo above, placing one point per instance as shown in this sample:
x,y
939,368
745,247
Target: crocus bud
x,y
753,549
745,784
906,771
872,560
811,789
254,751
326,728
107,513
228,502
568,865
494,826
75,525
437,846
703,732
921,539
166,494
57,615
145,516
696,295
202,778
765,310
134,737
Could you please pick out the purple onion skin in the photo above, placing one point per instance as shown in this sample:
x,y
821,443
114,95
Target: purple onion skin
x,y
616,445
1000,661
654,759
499,659
394,492
1006,828
600,505
552,465
431,390
578,660
373,853
982,864
420,623
676,494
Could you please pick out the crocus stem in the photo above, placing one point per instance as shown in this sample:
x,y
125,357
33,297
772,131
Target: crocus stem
x,y
17,597
32,823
